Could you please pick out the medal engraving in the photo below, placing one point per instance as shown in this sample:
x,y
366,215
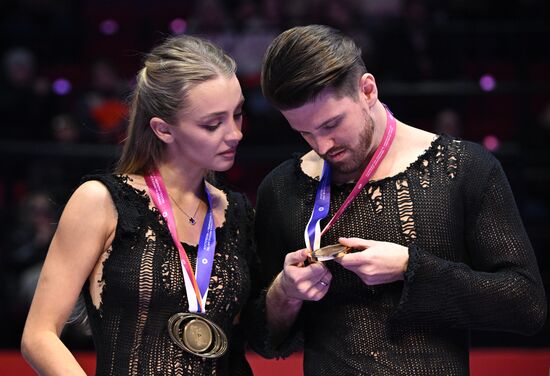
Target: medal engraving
x,y
197,335
330,252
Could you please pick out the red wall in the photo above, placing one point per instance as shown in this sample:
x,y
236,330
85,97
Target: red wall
x,y
508,362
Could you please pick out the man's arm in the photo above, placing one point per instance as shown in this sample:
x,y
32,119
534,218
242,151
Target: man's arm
x,y
290,288
500,287
285,279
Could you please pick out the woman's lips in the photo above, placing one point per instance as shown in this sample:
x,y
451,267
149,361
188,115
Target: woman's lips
x,y
229,153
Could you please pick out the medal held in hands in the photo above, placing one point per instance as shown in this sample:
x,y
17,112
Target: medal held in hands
x,y
330,252
191,331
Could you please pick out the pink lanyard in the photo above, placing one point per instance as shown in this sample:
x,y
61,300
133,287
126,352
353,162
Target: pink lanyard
x,y
312,233
196,284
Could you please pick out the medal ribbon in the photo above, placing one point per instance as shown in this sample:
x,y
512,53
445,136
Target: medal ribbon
x,y
196,284
322,199
320,210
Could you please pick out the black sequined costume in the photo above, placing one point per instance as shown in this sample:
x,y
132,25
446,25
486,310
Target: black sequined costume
x,y
143,286
471,265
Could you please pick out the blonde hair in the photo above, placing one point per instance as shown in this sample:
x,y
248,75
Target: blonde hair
x,y
170,71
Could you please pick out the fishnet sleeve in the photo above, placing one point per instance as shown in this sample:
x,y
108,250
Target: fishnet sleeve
x,y
271,251
500,290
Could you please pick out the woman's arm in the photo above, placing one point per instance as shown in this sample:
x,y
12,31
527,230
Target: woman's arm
x,y
85,230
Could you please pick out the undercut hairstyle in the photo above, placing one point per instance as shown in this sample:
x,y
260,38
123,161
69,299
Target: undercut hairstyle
x,y
304,61
170,71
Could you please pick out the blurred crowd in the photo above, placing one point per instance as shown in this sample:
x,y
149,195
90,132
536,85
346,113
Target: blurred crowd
x,y
475,69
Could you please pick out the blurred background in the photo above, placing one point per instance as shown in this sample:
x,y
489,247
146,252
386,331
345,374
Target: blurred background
x,y
476,69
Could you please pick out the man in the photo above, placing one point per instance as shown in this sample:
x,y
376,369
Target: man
x,y
437,244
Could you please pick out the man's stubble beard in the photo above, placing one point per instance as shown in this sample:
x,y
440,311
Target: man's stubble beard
x,y
360,156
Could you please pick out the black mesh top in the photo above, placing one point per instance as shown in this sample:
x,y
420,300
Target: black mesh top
x,y
143,286
471,265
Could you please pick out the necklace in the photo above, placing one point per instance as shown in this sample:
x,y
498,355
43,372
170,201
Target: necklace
x,y
191,219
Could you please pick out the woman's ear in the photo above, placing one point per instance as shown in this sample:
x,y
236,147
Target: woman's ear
x,y
368,89
161,129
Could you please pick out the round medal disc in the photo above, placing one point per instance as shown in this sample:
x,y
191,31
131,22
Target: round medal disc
x,y
197,335
330,252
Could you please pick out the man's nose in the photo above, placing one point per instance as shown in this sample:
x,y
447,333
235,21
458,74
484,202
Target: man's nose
x,y
324,144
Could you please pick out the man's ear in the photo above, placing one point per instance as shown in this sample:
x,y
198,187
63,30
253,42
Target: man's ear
x,y
368,89
162,129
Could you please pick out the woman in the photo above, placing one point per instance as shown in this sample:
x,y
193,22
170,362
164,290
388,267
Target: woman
x,y
130,240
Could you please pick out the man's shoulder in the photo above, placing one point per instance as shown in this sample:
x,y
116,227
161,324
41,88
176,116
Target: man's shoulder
x,y
467,160
472,152
285,169
282,180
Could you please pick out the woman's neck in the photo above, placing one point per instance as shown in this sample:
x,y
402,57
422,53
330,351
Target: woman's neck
x,y
181,184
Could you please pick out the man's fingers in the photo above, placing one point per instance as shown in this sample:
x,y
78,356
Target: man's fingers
x,y
357,243
297,257
351,259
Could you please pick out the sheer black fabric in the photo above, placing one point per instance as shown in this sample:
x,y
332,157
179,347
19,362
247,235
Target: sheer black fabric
x,y
142,287
471,265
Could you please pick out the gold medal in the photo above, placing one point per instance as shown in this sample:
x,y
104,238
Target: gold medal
x,y
329,252
197,335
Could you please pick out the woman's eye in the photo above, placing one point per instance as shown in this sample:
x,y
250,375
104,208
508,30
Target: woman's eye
x,y
212,127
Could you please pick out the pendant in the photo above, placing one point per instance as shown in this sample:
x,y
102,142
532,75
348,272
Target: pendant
x,y
192,221
197,335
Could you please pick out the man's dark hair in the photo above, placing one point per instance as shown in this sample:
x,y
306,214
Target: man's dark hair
x,y
304,61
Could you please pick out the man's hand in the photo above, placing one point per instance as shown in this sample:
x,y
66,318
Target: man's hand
x,y
377,262
294,284
301,282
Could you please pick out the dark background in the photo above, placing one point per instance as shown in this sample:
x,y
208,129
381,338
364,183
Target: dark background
x,y
476,69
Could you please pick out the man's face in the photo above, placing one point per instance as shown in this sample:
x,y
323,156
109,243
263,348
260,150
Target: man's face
x,y
340,130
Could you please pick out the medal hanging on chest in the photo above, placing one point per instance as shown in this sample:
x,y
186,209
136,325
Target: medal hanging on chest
x,y
192,331
321,206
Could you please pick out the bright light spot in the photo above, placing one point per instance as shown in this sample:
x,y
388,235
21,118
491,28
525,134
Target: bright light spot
x,y
178,26
487,82
61,86
108,27
491,142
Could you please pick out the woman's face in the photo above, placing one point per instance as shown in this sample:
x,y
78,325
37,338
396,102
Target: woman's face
x,y
207,132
